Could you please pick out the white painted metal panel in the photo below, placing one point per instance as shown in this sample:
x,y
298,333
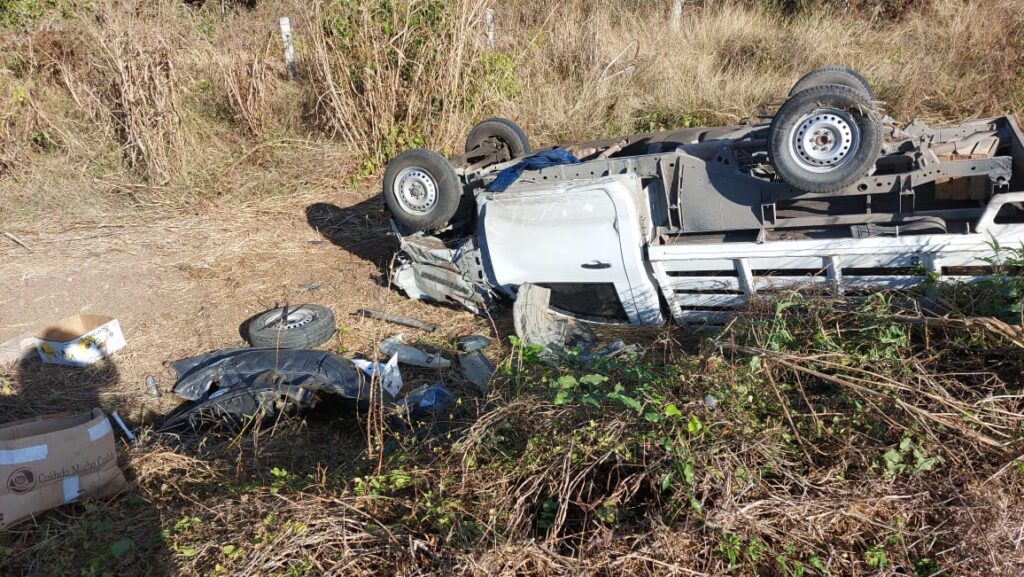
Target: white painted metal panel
x,y
834,258
709,300
700,283
575,233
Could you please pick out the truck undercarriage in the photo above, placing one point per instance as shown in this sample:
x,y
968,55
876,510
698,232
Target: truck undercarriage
x,y
697,221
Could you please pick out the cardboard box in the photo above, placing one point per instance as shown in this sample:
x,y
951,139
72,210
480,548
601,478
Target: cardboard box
x,y
48,461
80,340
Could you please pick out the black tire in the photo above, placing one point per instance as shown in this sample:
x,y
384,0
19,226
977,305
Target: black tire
x,y
833,75
505,132
306,326
850,132
421,190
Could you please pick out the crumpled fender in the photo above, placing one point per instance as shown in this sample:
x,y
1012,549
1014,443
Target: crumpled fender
x,y
430,270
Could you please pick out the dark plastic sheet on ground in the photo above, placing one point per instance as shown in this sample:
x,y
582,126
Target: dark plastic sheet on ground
x,y
237,384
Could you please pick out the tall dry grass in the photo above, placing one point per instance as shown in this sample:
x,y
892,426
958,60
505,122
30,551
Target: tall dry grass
x,y
385,76
730,60
180,92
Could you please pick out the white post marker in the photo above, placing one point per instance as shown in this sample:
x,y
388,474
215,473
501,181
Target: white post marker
x,y
677,14
289,52
489,23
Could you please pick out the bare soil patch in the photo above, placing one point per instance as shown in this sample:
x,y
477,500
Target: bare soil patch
x,y
182,284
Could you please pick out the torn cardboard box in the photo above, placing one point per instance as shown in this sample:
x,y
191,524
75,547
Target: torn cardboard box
x,y
51,460
80,340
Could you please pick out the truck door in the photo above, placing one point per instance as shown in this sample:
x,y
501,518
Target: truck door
x,y
584,242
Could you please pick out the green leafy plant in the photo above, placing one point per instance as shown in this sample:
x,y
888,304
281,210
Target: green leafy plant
x,y
909,458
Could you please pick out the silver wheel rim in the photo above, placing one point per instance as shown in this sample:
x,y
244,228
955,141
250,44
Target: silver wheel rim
x,y
824,140
296,318
415,190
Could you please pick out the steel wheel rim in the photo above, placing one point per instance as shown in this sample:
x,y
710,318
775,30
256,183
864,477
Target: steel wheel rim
x,y
416,190
296,318
824,140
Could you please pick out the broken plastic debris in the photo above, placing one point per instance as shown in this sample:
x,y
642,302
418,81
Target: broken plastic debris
x,y
475,368
124,428
408,355
426,400
235,385
470,343
389,375
154,391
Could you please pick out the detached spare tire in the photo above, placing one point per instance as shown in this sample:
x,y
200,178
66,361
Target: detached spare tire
x,y
825,138
833,75
503,134
421,190
291,327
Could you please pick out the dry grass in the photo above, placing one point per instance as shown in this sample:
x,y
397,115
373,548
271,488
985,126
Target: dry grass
x,y
866,441
383,76
140,96
176,92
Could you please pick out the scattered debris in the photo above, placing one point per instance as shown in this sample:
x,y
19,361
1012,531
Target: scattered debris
x,y
291,327
426,400
124,428
711,402
388,374
52,460
559,335
617,349
237,385
409,355
18,241
470,343
475,368
535,325
312,287
151,387
80,340
397,319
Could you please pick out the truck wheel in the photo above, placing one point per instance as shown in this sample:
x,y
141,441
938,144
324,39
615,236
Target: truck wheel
x,y
506,135
833,75
824,138
421,190
291,327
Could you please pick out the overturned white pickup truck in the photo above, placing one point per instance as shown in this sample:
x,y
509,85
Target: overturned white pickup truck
x,y
695,222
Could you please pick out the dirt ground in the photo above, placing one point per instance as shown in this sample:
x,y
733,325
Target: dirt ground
x,y
181,285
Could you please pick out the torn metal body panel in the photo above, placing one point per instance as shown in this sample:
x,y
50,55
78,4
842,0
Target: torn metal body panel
x,y
430,270
243,383
536,325
475,368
